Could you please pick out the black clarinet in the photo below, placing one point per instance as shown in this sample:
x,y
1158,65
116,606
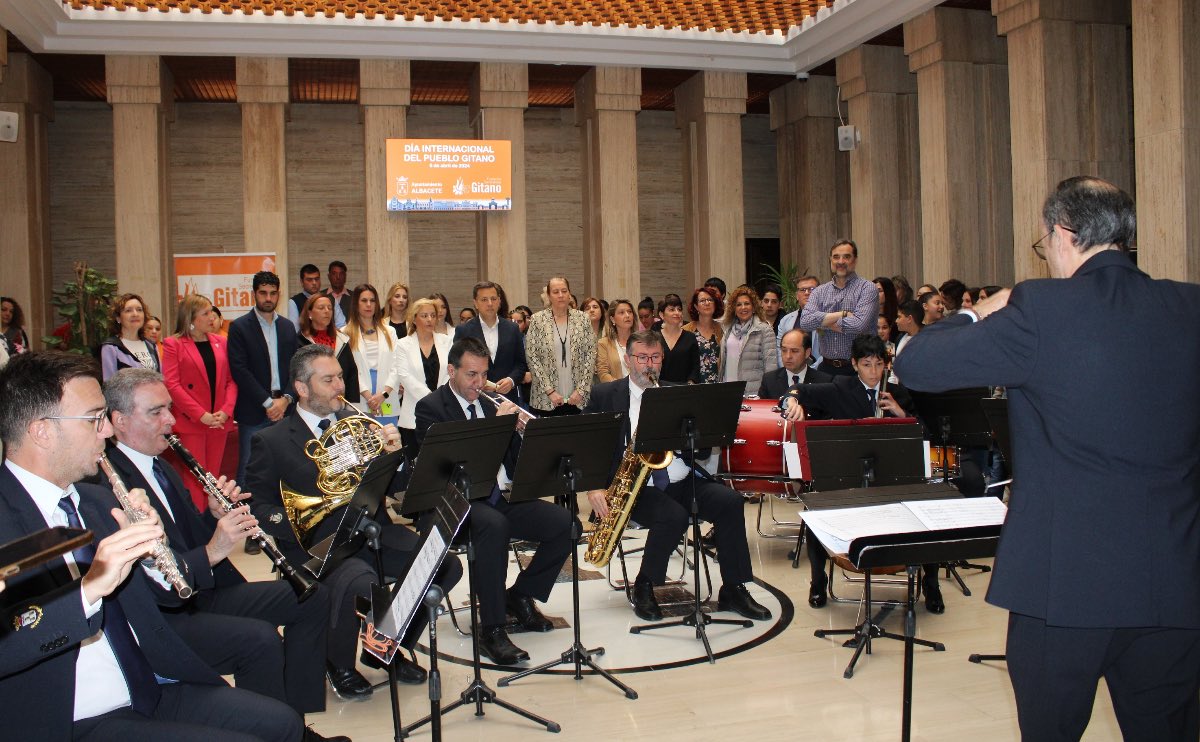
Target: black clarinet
x,y
303,586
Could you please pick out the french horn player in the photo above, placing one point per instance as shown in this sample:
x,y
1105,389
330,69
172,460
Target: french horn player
x,y
662,504
284,459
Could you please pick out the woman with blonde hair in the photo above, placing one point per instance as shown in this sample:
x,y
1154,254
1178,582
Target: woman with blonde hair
x,y
420,363
748,349
560,349
397,308
128,346
610,348
195,367
373,344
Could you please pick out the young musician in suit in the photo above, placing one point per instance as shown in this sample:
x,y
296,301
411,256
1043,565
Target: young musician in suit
x,y
795,351
277,457
494,520
261,344
663,505
86,643
1099,561
230,623
853,398
501,336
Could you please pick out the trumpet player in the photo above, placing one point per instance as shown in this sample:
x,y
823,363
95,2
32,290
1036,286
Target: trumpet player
x,y
230,623
494,520
277,453
664,503
87,655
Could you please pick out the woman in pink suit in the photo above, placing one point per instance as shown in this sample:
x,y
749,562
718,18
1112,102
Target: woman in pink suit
x,y
196,369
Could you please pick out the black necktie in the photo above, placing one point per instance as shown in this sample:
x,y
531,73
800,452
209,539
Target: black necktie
x,y
179,507
139,677
324,425
795,379
871,397
474,415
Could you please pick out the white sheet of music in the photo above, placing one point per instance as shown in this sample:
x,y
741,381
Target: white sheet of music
x,y
836,528
961,512
409,598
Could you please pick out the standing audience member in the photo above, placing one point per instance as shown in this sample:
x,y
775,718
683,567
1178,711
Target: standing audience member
x,y
12,326
805,285
397,308
610,348
501,337
933,306
373,345
445,325
310,284
887,302
681,355
841,310
261,344
771,300
705,308
466,314
197,375
904,290
595,312
219,325
717,285
645,312
748,351
420,363
153,333
343,305
316,326
560,349
952,294
128,347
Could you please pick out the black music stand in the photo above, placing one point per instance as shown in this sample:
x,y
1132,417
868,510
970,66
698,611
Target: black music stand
x,y
956,418
685,418
574,453
996,411
912,550
464,455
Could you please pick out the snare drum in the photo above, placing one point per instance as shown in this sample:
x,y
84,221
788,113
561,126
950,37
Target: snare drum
x,y
757,449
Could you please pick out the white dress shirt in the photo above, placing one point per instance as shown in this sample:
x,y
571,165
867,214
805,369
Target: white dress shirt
x,y
491,336
677,470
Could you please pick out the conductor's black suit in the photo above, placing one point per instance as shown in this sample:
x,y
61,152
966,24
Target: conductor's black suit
x,y
1099,559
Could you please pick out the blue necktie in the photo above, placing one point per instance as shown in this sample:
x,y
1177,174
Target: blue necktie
x,y
871,396
139,677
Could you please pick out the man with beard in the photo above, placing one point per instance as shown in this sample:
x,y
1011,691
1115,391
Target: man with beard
x,y
841,310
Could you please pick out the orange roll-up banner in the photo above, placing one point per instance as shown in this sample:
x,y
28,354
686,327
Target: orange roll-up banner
x,y
225,278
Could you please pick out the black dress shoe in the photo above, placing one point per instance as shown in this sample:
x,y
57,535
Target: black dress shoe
x,y
311,735
645,605
817,594
737,598
407,671
525,610
497,647
933,597
349,684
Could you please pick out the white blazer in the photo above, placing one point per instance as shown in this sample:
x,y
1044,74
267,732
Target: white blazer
x,y
386,367
411,373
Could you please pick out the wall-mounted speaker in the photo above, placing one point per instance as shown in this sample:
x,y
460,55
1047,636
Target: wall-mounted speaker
x,y
8,126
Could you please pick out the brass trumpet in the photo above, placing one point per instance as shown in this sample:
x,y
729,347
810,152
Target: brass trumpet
x,y
498,400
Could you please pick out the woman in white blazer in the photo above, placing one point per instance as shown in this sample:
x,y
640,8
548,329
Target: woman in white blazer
x,y
420,363
373,345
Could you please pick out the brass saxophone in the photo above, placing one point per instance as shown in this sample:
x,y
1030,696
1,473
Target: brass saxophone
x,y
164,558
621,497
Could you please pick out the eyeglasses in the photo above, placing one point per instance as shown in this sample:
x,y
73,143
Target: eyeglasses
x,y
1039,249
647,358
97,420
807,290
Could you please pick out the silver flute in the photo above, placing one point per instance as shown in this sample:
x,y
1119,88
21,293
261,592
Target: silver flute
x,y
164,558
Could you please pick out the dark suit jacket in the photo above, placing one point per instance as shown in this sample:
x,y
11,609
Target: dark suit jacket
x,y
250,364
441,406
844,398
1103,528
37,661
510,350
775,384
188,532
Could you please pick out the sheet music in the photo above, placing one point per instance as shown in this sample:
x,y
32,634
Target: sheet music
x,y
412,590
963,512
842,525
791,455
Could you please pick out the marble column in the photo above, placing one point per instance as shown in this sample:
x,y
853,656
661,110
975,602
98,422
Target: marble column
x,y
966,170
28,91
607,100
885,200
814,177
1070,88
263,94
1166,126
140,92
708,111
498,98
384,93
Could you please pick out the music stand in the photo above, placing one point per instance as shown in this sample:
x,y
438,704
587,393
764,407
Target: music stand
x,y
464,455
912,550
575,453
685,418
956,418
844,456
996,411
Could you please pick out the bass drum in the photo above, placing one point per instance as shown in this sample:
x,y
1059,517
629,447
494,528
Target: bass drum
x,y
757,449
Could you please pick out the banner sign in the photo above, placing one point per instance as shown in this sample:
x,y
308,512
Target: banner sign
x,y
225,278
449,174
